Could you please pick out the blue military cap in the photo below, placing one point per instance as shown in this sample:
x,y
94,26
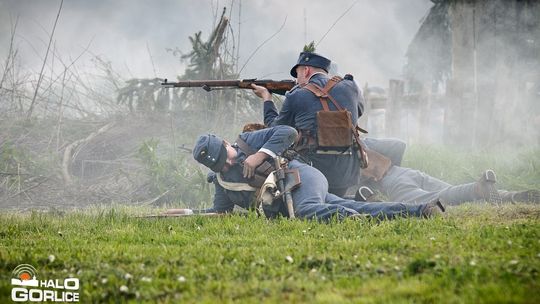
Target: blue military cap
x,y
210,151
311,59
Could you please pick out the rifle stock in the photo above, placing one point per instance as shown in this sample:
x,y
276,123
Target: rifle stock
x,y
274,86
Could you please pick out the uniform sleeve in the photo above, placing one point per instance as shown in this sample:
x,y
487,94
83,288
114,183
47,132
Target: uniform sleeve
x,y
272,141
270,112
284,117
361,103
358,96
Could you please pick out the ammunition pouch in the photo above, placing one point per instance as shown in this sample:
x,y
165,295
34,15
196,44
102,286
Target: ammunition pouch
x,y
334,130
378,165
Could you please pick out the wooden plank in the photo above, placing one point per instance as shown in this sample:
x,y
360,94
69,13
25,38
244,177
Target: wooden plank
x,y
393,111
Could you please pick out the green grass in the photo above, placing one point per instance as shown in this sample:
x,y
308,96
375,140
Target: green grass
x,y
478,253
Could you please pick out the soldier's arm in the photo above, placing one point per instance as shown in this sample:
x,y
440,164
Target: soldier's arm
x,y
284,117
361,102
270,112
272,141
271,115
269,142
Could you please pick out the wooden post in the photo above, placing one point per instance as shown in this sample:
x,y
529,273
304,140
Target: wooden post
x,y
424,108
460,89
393,108
486,50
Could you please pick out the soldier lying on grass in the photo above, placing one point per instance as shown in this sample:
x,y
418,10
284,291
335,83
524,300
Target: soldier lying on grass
x,y
410,186
235,168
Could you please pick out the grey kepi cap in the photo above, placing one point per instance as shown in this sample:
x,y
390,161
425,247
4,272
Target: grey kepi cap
x,y
210,151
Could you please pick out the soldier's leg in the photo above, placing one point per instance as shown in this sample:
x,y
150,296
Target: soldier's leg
x,y
338,191
384,209
455,195
484,189
417,178
407,185
430,183
404,185
309,198
525,196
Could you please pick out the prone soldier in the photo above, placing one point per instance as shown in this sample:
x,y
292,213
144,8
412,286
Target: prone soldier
x,y
409,185
235,170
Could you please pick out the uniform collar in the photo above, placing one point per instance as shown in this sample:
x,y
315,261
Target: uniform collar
x,y
316,74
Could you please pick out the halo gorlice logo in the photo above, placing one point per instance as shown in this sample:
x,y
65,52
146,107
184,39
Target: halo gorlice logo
x,y
27,287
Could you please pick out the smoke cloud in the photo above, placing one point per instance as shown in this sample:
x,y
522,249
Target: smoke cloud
x,y
370,41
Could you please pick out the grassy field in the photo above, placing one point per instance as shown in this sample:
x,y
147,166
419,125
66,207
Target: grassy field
x,y
477,253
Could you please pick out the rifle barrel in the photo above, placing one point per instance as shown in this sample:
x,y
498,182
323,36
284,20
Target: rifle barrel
x,y
274,86
200,83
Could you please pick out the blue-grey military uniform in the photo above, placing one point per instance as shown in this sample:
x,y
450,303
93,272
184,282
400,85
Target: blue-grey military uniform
x,y
311,199
402,184
299,111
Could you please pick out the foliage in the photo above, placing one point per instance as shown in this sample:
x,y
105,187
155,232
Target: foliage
x,y
18,163
213,59
478,254
309,47
144,96
11,160
178,178
205,60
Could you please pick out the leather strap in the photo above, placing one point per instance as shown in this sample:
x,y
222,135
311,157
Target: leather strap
x,y
324,93
244,147
315,89
378,165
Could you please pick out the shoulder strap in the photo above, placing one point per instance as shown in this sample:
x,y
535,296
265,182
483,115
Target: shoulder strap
x,y
331,83
323,93
244,146
315,89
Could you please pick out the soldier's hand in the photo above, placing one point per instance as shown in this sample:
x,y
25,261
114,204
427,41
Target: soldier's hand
x,y
262,92
252,162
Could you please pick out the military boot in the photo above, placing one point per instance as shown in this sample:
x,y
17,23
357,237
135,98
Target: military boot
x,y
432,209
527,196
365,194
485,187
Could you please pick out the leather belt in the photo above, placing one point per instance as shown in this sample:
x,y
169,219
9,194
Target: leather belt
x,y
334,152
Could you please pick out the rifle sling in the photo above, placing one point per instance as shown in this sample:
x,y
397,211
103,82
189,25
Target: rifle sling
x,y
245,147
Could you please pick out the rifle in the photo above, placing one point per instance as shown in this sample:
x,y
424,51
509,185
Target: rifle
x,y
274,86
282,190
